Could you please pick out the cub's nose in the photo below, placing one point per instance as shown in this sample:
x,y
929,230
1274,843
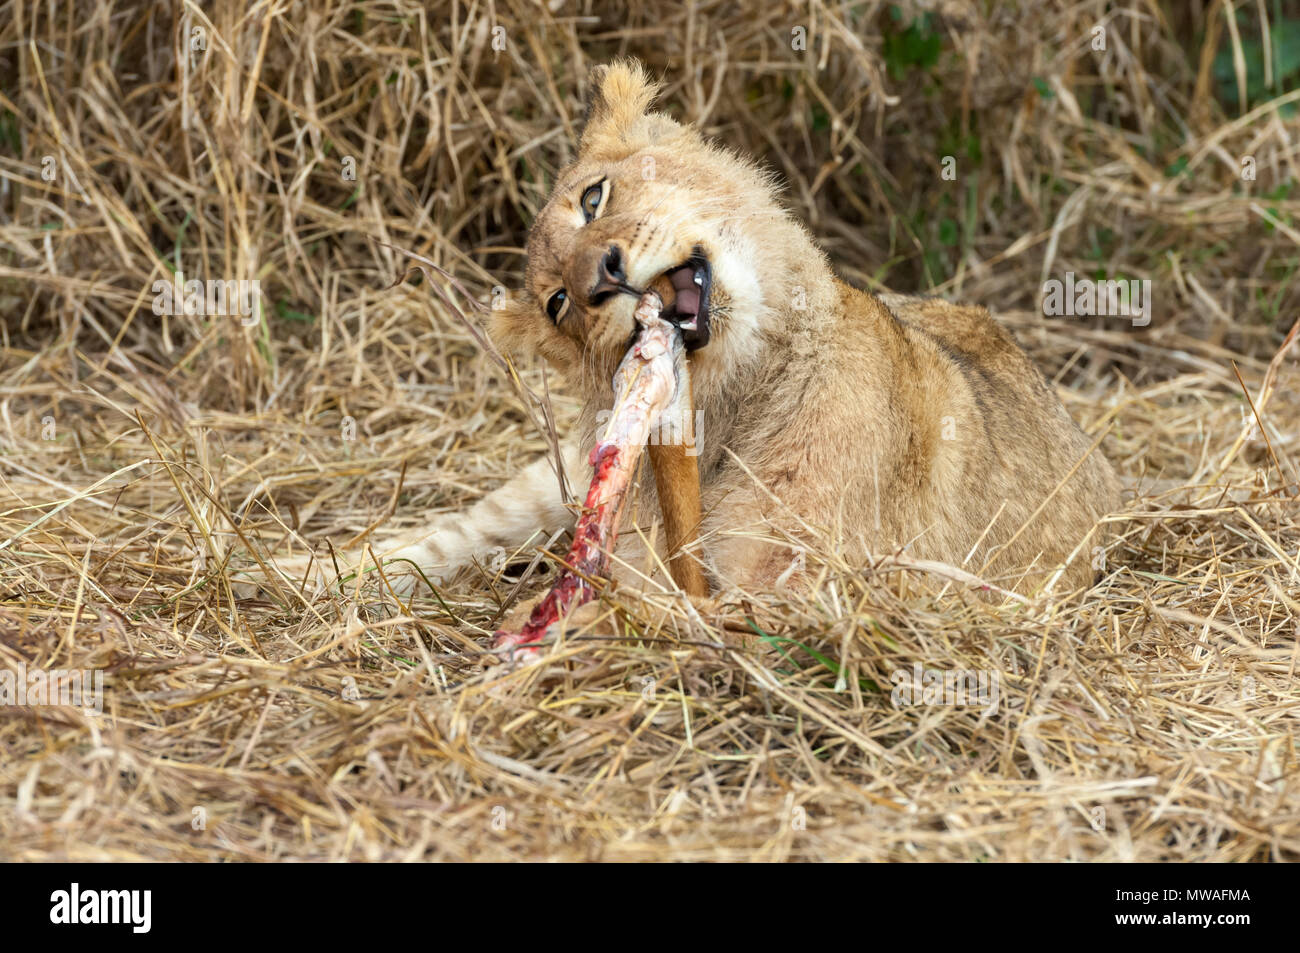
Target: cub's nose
x,y
611,266
611,276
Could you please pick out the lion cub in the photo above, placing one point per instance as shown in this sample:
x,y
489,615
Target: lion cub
x,y
881,423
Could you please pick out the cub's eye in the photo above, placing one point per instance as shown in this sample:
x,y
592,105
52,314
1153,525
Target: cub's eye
x,y
593,200
556,305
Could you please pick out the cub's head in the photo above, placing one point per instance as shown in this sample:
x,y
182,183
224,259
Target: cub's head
x,y
648,204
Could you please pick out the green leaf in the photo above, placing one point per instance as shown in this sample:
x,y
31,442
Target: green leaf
x,y
947,232
287,313
916,47
1284,38
829,664
9,134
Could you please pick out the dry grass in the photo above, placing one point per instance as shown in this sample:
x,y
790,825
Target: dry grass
x,y
144,460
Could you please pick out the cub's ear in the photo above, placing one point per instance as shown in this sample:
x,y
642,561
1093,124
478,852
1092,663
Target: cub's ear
x,y
618,119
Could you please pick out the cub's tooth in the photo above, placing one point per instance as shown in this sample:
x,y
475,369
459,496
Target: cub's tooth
x,y
691,325
699,278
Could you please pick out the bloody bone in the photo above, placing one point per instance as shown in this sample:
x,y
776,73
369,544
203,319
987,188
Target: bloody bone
x,y
651,380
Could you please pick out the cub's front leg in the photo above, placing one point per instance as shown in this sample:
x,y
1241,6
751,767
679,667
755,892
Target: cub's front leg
x,y
528,506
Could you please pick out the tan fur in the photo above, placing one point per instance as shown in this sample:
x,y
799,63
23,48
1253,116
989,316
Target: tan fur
x,y
883,422
677,486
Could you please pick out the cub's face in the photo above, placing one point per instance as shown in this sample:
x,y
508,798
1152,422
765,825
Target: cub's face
x,y
647,205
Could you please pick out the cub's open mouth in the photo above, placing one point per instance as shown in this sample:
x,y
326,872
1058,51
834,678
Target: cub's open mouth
x,y
688,305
